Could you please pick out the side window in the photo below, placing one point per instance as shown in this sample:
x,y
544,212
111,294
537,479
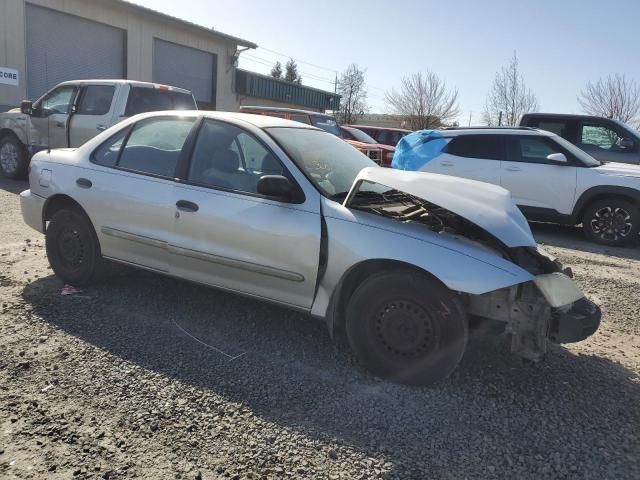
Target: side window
x,y
300,118
107,153
383,137
599,136
490,147
57,101
554,126
227,157
531,149
146,99
96,100
154,146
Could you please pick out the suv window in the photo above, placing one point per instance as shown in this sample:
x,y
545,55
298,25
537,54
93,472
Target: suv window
x,y
558,127
531,149
599,136
383,136
57,101
147,99
227,157
96,100
490,147
154,146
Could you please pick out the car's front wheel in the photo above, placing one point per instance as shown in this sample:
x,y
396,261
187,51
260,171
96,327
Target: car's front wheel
x,y
406,327
73,249
13,158
612,221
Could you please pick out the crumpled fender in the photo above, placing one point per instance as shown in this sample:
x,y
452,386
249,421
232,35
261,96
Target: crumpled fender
x,y
17,123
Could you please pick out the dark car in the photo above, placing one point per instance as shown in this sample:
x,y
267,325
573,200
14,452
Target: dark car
x,y
384,135
605,139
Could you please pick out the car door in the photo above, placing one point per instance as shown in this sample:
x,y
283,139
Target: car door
x,y
92,114
227,235
128,191
49,118
604,142
533,180
477,157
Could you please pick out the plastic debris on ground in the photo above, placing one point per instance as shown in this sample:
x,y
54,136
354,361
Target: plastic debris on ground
x,y
70,290
417,149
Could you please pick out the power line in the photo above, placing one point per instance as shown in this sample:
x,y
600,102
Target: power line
x,y
270,63
298,60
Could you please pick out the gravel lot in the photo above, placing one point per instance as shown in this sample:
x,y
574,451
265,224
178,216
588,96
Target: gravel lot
x,y
114,384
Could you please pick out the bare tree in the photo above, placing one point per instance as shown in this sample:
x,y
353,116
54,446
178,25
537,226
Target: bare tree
x,y
424,101
614,97
352,89
276,71
509,97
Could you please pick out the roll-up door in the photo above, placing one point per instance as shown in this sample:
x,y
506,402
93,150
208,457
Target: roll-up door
x,y
65,47
188,68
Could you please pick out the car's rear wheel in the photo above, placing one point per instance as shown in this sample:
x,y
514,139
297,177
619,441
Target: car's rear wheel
x,y
13,158
73,249
613,221
406,327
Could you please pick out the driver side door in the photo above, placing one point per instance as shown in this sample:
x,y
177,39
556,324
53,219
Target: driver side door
x,y
50,116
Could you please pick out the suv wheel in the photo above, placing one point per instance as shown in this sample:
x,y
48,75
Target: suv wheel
x,y
13,158
406,327
612,221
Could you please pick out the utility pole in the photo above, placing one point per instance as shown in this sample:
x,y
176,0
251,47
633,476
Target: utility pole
x,y
469,118
500,119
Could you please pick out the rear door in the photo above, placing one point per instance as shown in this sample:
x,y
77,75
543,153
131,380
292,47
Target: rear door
x,y
227,235
533,180
93,112
477,157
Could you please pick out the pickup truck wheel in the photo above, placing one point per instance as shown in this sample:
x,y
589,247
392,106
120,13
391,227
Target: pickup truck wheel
x,y
13,158
73,249
406,327
611,221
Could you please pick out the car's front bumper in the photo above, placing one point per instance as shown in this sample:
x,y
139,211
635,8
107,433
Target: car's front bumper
x,y
31,206
575,322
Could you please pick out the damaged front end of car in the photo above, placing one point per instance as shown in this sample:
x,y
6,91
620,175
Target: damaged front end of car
x,y
547,307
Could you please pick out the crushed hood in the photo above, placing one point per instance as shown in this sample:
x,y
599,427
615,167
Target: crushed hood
x,y
488,206
619,169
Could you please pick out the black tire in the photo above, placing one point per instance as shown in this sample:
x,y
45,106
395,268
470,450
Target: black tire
x,y
611,221
13,158
73,249
406,327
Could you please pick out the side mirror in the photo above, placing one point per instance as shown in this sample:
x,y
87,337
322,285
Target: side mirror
x,y
274,186
26,107
557,158
626,144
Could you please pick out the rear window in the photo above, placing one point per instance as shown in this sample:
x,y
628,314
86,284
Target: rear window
x,y
490,147
145,99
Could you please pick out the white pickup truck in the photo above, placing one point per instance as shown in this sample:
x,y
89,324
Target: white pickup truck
x,y
73,112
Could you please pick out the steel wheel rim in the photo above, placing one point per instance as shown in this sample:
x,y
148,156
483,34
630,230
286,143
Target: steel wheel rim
x,y
611,223
404,330
9,157
70,248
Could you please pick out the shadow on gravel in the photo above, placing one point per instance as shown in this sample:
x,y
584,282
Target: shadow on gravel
x,y
572,237
13,186
493,416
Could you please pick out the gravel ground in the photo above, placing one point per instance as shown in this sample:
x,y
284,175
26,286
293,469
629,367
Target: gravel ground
x,y
151,377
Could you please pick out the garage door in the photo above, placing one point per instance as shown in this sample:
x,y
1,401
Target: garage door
x,y
64,47
186,67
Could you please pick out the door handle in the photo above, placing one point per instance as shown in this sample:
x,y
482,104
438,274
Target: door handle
x,y
101,128
187,206
447,163
512,169
84,183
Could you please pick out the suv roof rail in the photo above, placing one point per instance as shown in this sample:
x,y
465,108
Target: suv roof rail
x,y
490,128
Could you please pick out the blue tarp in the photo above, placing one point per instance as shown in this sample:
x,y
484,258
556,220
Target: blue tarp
x,y
416,149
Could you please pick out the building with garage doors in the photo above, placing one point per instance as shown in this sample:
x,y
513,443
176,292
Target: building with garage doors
x,y
45,42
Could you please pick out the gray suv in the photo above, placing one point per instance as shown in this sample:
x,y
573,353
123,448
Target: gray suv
x,y
605,139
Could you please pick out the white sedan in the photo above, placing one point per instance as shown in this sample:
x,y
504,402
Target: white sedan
x,y
285,212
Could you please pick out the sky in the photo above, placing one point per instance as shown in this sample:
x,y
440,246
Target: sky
x,y
561,44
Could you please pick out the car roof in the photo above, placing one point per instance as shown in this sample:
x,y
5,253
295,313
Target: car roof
x,y
283,110
570,116
119,81
259,121
393,129
459,131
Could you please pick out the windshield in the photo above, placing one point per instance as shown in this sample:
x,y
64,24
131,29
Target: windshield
x,y
360,136
583,156
329,162
328,124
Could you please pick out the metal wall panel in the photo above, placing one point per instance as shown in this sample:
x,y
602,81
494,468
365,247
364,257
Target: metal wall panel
x,y
186,67
65,47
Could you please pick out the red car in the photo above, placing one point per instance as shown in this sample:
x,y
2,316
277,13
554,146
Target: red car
x,y
384,135
352,135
